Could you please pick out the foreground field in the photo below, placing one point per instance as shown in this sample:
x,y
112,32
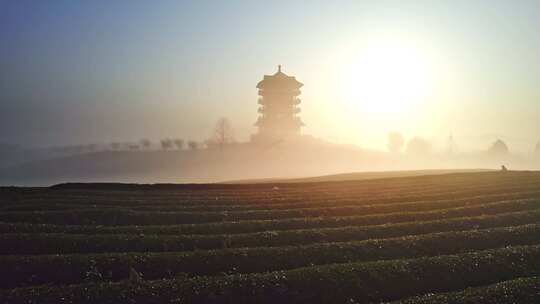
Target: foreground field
x,y
455,238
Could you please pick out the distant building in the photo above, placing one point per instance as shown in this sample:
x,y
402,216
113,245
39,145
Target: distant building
x,y
279,102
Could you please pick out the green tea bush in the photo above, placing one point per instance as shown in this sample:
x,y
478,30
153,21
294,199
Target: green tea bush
x,y
65,269
19,243
338,283
522,290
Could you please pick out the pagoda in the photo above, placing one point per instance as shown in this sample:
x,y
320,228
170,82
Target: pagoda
x,y
278,109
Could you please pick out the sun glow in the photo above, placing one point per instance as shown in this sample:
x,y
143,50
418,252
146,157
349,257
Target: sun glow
x,y
386,78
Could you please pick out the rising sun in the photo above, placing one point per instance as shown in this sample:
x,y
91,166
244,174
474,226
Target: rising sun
x,y
387,78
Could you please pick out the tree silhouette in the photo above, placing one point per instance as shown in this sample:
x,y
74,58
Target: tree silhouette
x,y
193,145
498,148
395,142
418,146
166,144
145,143
223,133
451,148
537,150
115,145
179,143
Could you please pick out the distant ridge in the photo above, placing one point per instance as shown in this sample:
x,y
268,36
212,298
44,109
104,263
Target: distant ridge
x,y
144,187
357,176
259,183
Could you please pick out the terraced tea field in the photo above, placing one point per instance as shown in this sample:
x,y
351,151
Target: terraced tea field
x,y
455,238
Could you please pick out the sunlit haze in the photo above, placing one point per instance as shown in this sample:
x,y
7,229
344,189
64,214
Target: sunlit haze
x,y
321,151
76,73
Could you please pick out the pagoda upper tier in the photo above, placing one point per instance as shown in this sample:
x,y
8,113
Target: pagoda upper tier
x,y
279,82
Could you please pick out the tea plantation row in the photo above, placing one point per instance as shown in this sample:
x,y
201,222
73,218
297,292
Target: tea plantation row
x,y
454,238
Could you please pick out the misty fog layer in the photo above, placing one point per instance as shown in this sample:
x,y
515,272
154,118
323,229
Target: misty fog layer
x,y
247,161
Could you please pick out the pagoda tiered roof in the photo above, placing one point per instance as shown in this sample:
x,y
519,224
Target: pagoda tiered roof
x,y
279,81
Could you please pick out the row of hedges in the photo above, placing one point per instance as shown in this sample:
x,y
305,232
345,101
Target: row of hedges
x,y
127,217
67,269
241,190
208,198
38,243
276,225
279,224
324,203
50,206
522,290
278,197
338,283
287,205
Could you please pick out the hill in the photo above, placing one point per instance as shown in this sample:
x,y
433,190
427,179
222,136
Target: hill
x,y
241,161
311,160
446,238
358,176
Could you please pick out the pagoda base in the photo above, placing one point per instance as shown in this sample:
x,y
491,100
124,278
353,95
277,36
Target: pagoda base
x,y
262,138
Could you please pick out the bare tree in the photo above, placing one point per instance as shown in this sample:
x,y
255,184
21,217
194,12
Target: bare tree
x,y
92,147
537,150
116,145
223,133
166,144
179,143
451,148
395,142
418,146
193,145
498,148
145,143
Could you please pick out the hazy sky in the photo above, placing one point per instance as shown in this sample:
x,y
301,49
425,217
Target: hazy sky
x,y
99,71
